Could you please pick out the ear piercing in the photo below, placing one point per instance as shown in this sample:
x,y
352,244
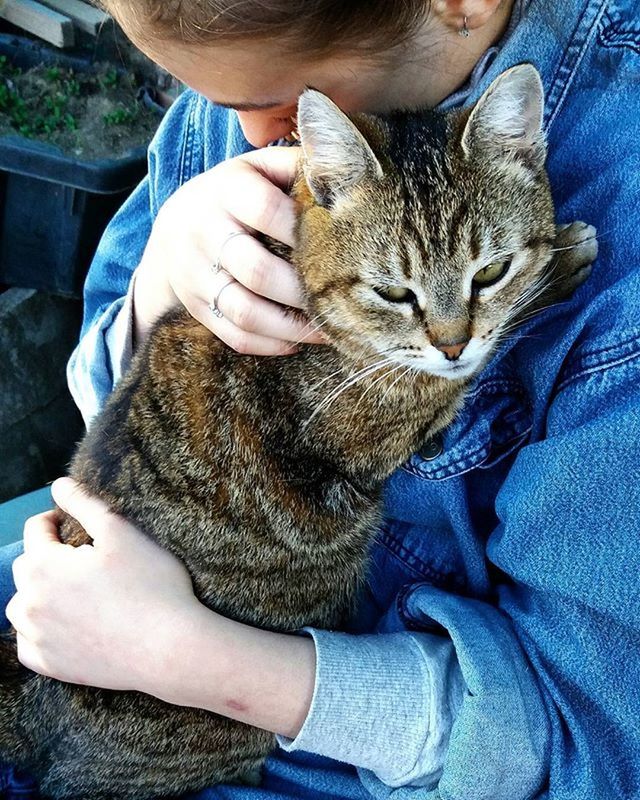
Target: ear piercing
x,y
464,31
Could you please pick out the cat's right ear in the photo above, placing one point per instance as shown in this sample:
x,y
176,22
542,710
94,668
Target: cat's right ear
x,y
506,122
337,157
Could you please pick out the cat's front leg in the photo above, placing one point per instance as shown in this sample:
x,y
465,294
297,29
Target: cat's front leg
x,y
575,250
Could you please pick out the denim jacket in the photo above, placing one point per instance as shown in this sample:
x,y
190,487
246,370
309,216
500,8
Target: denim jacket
x,y
517,534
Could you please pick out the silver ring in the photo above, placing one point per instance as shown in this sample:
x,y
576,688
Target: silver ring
x,y
213,305
217,266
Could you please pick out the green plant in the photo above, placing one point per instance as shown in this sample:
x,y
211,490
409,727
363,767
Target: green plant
x,y
109,79
119,116
50,102
61,85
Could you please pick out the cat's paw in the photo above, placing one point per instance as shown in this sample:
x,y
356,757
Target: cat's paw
x,y
576,248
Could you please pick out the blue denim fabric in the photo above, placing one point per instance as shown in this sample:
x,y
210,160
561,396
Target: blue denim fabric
x,y
521,540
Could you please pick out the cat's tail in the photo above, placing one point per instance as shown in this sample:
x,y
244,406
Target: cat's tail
x,y
13,680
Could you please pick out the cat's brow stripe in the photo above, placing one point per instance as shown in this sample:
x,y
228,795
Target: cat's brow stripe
x,y
338,285
458,218
418,242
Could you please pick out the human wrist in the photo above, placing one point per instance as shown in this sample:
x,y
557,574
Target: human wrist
x,y
152,296
259,677
176,650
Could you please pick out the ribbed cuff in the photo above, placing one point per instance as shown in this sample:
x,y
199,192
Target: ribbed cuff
x,y
383,702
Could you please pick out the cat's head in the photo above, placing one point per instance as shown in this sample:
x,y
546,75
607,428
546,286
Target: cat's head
x,y
423,235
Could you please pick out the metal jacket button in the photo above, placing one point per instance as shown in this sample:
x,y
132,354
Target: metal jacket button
x,y
432,448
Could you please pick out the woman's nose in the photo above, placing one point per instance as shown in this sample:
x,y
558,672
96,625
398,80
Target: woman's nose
x,y
262,128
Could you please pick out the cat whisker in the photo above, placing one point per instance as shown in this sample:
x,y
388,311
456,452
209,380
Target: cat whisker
x,y
513,322
362,374
518,313
309,331
388,374
354,376
599,237
407,370
333,374
573,246
374,383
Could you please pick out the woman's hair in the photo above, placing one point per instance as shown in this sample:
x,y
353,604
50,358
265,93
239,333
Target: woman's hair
x,y
309,27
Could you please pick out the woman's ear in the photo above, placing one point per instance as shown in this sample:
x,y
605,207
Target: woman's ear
x,y
337,157
469,14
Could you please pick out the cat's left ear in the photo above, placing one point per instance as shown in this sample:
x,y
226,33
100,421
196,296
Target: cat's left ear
x,y
337,157
507,120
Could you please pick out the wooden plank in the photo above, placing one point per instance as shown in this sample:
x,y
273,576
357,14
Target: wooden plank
x,y
86,18
35,18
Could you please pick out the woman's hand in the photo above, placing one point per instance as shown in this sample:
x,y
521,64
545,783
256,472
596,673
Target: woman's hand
x,y
121,614
192,259
102,615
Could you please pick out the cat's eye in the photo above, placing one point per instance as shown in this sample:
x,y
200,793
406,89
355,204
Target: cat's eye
x,y
491,274
396,294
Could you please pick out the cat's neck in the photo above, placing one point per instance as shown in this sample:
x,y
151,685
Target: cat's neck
x,y
370,414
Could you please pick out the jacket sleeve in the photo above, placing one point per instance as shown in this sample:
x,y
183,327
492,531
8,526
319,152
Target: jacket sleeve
x,y
552,670
383,702
105,345
105,342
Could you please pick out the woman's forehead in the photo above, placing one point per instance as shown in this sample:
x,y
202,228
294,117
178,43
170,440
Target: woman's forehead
x,y
256,76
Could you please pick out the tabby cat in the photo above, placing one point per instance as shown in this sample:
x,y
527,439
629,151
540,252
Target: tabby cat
x,y
422,238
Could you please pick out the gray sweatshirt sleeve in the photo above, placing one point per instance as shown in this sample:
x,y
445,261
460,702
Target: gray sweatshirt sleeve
x,y
383,702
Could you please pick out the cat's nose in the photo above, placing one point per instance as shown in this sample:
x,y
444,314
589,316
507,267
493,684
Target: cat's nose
x,y
451,350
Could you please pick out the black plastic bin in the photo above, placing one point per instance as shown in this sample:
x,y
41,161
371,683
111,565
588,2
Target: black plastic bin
x,y
53,207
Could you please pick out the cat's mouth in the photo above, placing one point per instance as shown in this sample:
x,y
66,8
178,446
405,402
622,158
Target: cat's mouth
x,y
453,371
434,362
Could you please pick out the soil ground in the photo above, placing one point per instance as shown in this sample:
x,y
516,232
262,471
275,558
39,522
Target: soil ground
x,y
90,115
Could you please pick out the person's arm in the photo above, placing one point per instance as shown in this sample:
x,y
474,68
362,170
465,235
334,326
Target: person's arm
x,y
122,615
105,348
550,674
553,669
105,345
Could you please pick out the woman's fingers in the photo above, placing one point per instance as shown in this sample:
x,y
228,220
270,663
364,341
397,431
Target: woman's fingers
x,y
255,315
264,273
278,164
204,253
89,511
40,530
257,203
245,320
250,343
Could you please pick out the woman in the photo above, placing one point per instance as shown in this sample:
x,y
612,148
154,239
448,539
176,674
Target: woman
x,y
495,653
